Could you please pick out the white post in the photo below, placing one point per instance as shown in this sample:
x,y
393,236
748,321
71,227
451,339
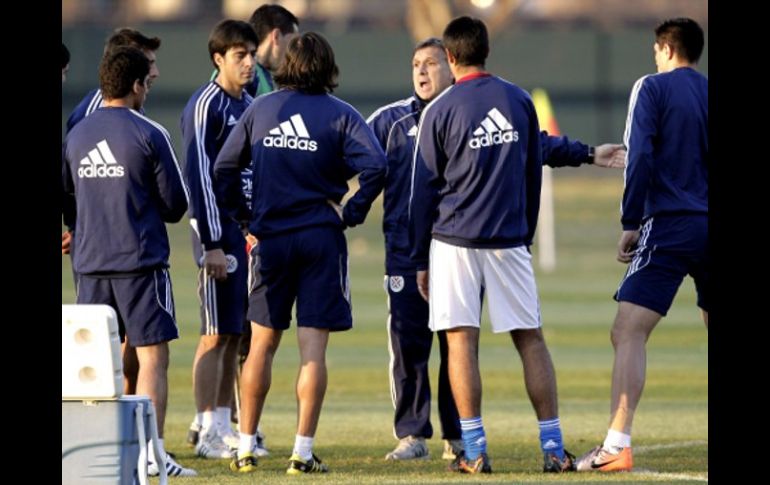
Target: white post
x,y
546,238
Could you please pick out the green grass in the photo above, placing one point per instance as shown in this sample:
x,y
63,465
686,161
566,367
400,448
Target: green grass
x,y
355,430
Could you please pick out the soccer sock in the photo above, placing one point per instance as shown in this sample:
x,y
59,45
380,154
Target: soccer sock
x,y
616,441
199,419
474,439
151,450
207,422
223,418
550,437
303,446
247,443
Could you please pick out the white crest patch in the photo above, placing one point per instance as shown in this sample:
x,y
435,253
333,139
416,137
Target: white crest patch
x,y
396,283
232,263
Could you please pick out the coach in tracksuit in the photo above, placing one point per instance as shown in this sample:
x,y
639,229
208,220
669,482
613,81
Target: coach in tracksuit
x,y
120,167
473,211
410,338
303,144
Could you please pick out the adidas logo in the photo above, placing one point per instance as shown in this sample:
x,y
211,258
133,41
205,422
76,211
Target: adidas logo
x,y
231,120
550,444
412,131
291,134
100,163
494,130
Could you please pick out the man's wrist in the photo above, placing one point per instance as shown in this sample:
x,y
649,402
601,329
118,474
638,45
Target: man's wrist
x,y
591,154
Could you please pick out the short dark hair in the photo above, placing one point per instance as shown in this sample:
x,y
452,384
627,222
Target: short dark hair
x,y
268,17
230,33
119,69
309,65
684,35
429,42
131,37
466,38
65,56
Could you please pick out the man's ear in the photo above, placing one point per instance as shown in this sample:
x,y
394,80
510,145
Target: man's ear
x,y
449,57
218,59
137,86
275,35
668,51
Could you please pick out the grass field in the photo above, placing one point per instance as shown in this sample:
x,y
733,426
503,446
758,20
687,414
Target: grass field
x,y
355,432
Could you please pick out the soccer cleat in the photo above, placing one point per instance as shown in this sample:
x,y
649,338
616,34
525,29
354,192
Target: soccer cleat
x,y
210,445
261,449
193,433
173,469
229,437
552,463
244,464
599,459
451,449
410,448
480,465
298,466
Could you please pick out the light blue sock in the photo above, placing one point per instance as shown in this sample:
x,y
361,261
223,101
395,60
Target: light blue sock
x,y
550,437
474,439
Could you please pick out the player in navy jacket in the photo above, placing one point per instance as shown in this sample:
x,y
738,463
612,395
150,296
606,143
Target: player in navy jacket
x,y
303,144
410,338
93,100
218,243
120,167
476,194
664,218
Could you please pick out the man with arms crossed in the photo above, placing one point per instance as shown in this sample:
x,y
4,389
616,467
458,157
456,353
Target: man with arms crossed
x,y
120,167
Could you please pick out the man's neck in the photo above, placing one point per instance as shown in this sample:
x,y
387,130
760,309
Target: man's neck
x,y
127,102
462,71
234,90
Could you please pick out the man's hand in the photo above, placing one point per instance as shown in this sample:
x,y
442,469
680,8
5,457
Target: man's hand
x,y
610,155
422,283
66,242
251,241
627,246
215,264
337,207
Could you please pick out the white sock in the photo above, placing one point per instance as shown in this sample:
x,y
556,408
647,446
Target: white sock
x,y
199,418
151,450
303,446
247,443
208,422
223,418
616,441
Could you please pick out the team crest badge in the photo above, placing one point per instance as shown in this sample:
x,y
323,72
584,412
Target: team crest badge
x,y
232,263
396,283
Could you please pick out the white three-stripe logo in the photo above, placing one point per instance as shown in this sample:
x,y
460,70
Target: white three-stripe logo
x,y
495,121
100,163
291,134
495,129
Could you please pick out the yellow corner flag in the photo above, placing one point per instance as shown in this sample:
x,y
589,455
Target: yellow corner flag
x,y
544,112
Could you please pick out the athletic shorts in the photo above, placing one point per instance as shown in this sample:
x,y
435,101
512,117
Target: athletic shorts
x,y
223,303
670,247
460,276
308,266
144,304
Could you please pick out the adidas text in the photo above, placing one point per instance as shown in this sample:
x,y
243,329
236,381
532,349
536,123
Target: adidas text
x,y
293,142
497,138
100,171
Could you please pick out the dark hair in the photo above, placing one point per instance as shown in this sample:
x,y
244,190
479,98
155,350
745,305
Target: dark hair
x,y
466,38
429,42
309,65
133,38
683,35
268,17
230,33
119,69
65,56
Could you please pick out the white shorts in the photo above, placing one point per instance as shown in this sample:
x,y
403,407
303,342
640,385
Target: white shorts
x,y
458,276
